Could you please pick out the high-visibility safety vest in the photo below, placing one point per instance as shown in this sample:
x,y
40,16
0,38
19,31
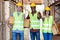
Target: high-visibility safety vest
x,y
47,24
18,21
34,22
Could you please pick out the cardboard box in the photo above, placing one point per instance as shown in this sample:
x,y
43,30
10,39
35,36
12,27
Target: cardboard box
x,y
11,20
36,1
56,30
26,23
25,1
32,1
58,26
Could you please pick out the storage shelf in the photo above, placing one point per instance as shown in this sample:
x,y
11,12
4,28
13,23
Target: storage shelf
x,y
13,2
55,3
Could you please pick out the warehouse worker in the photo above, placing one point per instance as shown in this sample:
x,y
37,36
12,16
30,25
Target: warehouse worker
x,y
47,24
18,26
34,17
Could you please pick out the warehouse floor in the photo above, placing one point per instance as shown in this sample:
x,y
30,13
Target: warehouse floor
x,y
56,37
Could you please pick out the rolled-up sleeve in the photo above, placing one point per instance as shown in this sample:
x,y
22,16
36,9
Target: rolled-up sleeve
x,y
11,14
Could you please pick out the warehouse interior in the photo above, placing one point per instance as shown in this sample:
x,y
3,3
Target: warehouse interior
x,y
8,6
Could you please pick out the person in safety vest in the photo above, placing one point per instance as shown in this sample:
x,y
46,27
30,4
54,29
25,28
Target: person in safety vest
x,y
18,23
34,17
47,24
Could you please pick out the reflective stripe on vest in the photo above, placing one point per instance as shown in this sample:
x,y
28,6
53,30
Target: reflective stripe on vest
x,y
47,24
18,21
34,22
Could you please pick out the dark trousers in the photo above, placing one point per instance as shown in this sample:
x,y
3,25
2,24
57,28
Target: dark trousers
x,y
14,35
47,36
35,35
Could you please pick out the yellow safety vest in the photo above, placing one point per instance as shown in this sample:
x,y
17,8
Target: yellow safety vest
x,y
47,24
34,22
18,21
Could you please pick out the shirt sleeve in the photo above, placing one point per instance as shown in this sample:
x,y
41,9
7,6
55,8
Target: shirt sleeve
x,y
11,14
23,16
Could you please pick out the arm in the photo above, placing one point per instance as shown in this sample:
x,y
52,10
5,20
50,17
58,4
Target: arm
x,y
10,21
28,17
39,15
26,21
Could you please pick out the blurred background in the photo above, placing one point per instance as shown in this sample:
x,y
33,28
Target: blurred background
x,y
8,6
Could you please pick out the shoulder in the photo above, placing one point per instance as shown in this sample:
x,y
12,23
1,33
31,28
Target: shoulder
x,y
12,13
51,16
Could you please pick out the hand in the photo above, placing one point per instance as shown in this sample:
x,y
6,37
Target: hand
x,y
10,26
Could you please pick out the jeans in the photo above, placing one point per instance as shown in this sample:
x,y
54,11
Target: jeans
x,y
21,35
47,36
35,34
